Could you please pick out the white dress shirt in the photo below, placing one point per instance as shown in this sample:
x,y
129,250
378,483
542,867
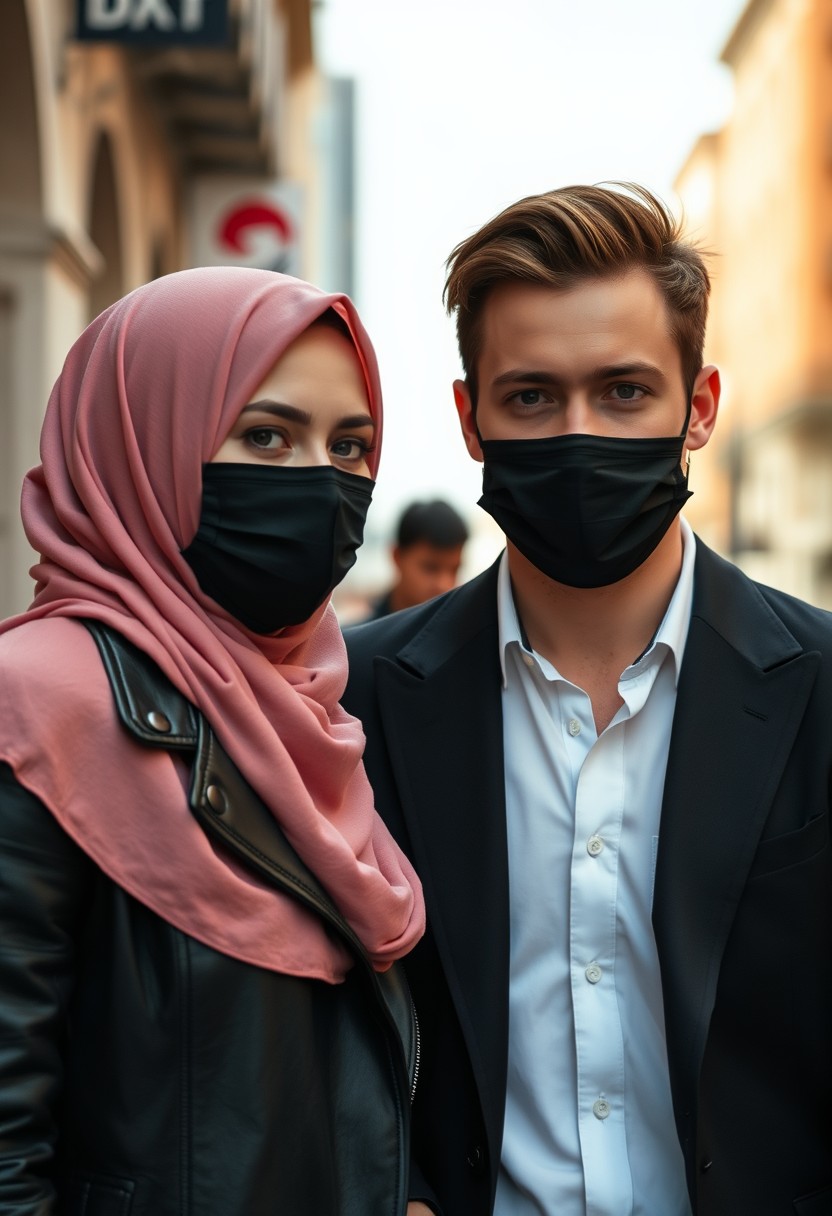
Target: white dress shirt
x,y
589,1128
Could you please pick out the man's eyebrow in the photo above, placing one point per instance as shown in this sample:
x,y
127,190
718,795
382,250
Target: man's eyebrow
x,y
618,371
527,377
291,413
612,371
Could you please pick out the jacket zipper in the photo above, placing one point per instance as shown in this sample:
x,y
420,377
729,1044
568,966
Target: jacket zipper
x,y
418,1059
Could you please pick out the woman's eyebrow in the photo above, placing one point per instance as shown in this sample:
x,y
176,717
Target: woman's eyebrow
x,y
356,420
290,413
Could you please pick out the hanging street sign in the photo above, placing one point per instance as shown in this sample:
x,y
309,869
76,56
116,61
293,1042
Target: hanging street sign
x,y
153,22
239,221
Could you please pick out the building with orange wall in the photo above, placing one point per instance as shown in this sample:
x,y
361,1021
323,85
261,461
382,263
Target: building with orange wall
x,y
759,194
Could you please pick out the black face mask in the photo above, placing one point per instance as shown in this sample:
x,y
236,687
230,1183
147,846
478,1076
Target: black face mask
x,y
273,542
586,510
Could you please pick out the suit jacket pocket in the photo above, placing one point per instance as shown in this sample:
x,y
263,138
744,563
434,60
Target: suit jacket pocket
x,y
98,1195
791,849
819,1203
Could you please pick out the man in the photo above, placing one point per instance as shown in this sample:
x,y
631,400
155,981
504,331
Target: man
x,y
427,555
609,758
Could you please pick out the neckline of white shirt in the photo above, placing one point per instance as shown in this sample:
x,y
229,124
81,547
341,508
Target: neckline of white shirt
x,y
671,634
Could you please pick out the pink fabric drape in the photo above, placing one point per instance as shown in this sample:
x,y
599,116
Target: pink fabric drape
x,y
146,396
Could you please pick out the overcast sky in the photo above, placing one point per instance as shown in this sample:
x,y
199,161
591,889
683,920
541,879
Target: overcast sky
x,y
467,105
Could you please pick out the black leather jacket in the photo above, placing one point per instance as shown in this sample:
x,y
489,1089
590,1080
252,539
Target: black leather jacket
x,y
144,1074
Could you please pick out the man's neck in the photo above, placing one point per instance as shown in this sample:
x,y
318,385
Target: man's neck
x,y
398,600
591,634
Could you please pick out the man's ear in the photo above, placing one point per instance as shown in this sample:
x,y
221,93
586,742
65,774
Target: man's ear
x,y
704,408
467,419
396,555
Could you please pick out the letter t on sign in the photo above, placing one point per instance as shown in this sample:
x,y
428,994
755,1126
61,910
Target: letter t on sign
x,y
192,14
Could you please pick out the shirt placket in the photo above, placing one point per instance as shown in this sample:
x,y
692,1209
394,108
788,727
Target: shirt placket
x,y
599,1044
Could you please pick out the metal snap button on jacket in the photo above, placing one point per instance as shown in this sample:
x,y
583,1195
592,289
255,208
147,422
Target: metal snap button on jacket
x,y
216,799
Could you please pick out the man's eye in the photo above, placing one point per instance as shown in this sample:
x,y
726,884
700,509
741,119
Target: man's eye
x,y
528,396
628,392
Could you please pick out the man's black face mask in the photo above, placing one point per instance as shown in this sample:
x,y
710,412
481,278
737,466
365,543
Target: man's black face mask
x,y
272,543
586,510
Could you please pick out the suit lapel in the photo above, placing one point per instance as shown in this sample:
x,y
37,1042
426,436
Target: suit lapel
x,y
742,691
441,708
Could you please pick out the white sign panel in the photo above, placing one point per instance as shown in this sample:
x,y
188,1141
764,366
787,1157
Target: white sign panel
x,y
238,221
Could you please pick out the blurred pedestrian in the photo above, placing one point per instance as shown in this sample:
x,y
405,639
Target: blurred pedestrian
x,y
427,554
200,911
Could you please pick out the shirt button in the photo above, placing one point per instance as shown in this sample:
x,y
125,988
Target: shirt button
x,y
528,660
593,973
574,727
594,846
601,1108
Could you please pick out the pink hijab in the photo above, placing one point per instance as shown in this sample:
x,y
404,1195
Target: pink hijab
x,y
146,396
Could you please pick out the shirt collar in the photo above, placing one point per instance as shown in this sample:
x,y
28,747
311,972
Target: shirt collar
x,y
671,634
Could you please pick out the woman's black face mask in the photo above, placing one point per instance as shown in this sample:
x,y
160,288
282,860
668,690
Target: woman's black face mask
x,y
586,510
273,542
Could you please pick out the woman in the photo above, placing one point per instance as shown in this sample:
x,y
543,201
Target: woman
x,y
200,910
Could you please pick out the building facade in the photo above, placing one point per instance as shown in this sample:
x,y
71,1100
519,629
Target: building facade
x,y
759,194
102,147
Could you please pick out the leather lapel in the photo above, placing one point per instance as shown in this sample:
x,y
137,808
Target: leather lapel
x,y
441,708
230,811
742,692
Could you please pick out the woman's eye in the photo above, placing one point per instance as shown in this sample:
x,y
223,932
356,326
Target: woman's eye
x,y
265,438
349,449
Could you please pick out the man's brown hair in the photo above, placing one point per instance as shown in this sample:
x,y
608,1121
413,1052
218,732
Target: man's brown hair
x,y
562,237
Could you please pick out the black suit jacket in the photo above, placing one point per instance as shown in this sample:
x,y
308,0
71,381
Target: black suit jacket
x,y
743,894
